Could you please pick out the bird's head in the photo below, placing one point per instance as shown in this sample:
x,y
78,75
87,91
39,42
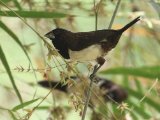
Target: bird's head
x,y
55,33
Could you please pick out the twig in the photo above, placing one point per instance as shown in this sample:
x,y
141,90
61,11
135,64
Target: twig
x,y
96,67
89,92
29,115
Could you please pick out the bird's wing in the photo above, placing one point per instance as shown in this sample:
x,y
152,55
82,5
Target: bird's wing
x,y
83,40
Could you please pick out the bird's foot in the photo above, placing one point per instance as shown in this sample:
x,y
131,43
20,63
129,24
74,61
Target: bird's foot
x,y
95,69
100,61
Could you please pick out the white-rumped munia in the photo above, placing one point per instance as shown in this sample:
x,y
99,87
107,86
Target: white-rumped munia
x,y
86,46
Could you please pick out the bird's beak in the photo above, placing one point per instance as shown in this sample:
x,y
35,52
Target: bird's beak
x,y
46,35
50,35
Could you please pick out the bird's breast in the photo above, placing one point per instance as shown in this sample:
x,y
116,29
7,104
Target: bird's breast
x,y
87,54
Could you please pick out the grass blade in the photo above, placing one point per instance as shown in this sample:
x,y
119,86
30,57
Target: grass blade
x,y
43,107
148,100
138,110
17,4
33,14
11,34
5,1
140,89
5,63
12,114
148,72
21,106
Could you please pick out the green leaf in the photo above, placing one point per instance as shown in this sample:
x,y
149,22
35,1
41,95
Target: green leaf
x,y
43,107
17,4
12,114
138,84
5,1
33,14
10,33
6,66
138,110
148,100
148,72
24,104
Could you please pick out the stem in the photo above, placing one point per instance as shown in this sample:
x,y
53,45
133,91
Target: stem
x,y
114,14
96,20
96,14
87,99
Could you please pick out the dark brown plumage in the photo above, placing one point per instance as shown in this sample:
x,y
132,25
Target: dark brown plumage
x,y
86,45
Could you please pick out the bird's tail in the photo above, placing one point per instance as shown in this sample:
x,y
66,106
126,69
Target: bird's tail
x,y
130,24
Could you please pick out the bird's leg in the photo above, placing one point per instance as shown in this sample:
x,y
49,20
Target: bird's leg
x,y
95,69
100,61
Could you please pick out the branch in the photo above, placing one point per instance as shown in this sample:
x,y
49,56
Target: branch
x,y
89,91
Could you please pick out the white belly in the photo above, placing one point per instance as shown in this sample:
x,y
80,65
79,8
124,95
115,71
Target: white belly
x,y
87,54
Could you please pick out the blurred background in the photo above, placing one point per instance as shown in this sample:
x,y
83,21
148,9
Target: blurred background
x,y
27,57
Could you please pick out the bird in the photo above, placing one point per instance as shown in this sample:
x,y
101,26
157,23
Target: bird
x,y
86,46
105,88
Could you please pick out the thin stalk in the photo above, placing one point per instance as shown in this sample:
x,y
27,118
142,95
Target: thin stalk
x,y
89,92
114,14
